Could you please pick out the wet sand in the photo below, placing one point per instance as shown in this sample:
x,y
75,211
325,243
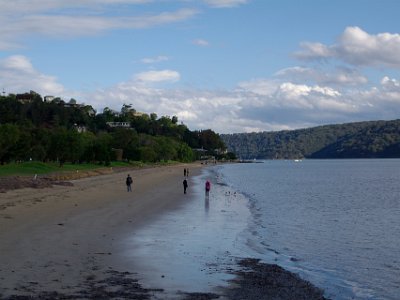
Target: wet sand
x,y
67,241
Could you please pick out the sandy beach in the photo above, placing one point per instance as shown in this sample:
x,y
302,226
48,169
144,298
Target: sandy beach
x,y
64,241
55,239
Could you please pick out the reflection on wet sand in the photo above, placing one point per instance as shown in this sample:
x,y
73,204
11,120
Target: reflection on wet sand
x,y
207,202
191,249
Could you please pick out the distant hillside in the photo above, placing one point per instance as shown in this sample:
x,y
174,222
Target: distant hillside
x,y
374,139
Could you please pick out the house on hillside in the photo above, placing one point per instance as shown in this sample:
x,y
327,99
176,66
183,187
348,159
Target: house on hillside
x,y
80,128
27,97
48,98
24,98
72,103
137,114
119,124
89,110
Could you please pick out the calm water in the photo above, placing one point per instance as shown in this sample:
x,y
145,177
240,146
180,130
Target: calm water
x,y
336,222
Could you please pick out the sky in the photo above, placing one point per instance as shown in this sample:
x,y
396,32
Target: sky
x,y
228,65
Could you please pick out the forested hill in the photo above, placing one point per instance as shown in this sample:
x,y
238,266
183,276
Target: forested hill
x,y
374,139
51,129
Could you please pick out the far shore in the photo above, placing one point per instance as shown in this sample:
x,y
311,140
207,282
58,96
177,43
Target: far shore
x,y
59,241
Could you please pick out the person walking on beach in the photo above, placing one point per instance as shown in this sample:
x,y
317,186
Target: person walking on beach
x,y
129,183
185,185
208,187
184,172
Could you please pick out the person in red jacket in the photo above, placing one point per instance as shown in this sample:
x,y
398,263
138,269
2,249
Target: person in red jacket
x,y
208,187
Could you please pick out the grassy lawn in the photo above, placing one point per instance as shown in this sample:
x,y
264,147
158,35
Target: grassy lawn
x,y
31,168
34,167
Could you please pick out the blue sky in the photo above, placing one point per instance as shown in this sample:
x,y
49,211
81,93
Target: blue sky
x,y
229,65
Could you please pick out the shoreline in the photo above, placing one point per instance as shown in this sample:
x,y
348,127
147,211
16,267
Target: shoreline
x,y
64,241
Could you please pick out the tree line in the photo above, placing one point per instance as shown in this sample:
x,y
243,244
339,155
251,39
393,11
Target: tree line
x,y
34,129
372,139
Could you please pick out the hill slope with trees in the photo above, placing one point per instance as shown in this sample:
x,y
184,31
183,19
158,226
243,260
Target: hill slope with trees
x,y
50,129
373,139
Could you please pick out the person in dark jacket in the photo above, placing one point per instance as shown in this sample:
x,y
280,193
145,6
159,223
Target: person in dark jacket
x,y
185,185
129,183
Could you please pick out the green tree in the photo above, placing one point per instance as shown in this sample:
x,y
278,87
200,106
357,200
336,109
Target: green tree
x,y
89,142
147,154
210,140
10,110
22,150
185,153
76,146
153,117
59,145
103,149
9,135
165,149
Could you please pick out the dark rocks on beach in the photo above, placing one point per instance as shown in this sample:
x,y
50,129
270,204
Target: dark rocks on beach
x,y
118,285
266,281
18,182
200,296
254,281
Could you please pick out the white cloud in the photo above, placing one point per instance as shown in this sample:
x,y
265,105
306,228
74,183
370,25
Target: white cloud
x,y
225,3
258,104
200,42
387,92
18,75
15,24
314,51
295,96
390,83
294,70
326,91
153,60
297,105
339,76
18,63
288,89
158,76
187,115
18,7
358,48
263,87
